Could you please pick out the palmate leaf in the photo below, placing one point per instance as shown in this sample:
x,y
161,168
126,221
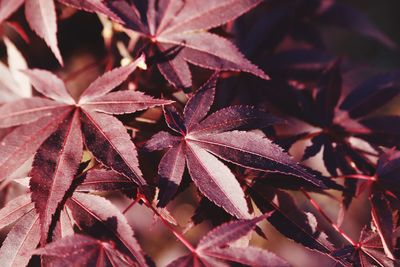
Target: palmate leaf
x,y
199,142
368,253
80,250
383,195
58,158
52,87
344,119
96,215
348,114
84,212
215,248
180,28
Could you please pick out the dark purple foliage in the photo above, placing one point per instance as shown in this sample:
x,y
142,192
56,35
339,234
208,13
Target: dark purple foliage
x,y
240,109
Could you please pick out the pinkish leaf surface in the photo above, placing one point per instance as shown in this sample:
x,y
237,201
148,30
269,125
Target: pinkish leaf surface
x,y
28,110
252,151
162,140
171,169
122,102
90,6
176,70
216,181
90,210
23,238
108,81
199,105
21,144
15,209
92,252
234,117
197,16
211,51
53,170
41,16
251,256
49,85
99,180
184,261
107,139
16,63
227,233
7,7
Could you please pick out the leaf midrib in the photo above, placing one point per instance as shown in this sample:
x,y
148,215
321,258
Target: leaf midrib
x,y
216,180
113,146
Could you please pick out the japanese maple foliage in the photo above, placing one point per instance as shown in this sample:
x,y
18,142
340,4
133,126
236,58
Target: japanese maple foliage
x,y
179,31
201,138
41,16
232,125
85,121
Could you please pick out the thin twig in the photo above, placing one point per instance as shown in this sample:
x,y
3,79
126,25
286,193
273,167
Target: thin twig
x,y
180,237
357,176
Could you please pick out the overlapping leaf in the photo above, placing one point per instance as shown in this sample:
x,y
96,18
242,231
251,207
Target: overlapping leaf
x,y
202,139
99,180
383,195
61,153
92,252
179,31
304,21
23,238
57,159
96,215
41,16
369,252
288,219
340,118
90,213
13,83
230,166
215,248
